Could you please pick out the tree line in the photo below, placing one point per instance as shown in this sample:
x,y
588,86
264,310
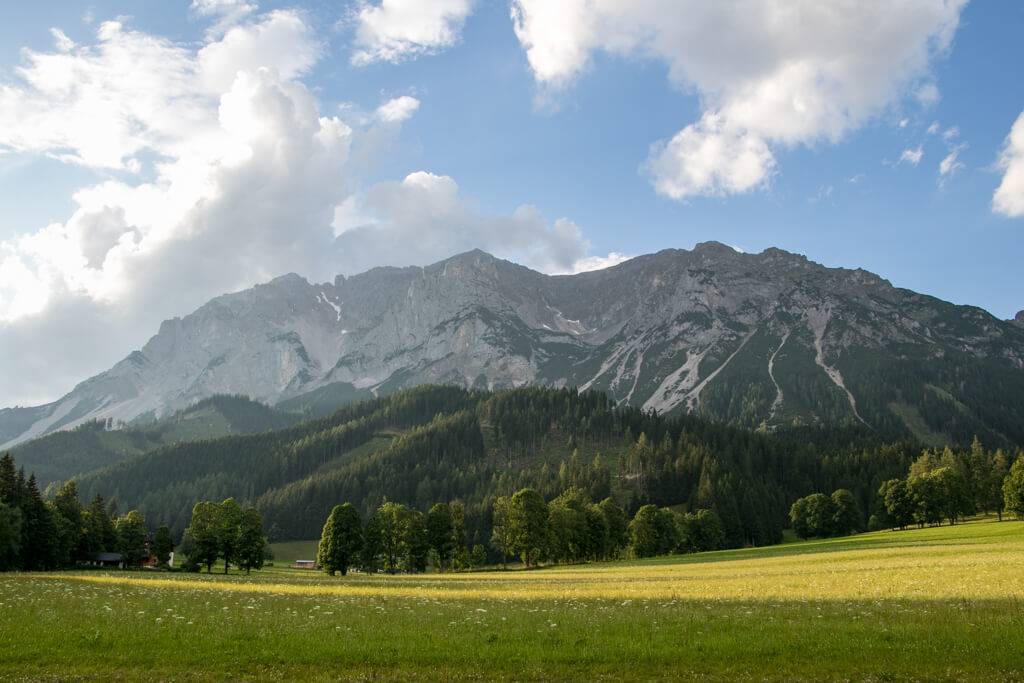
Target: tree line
x,y
39,535
433,443
224,531
947,486
938,487
570,528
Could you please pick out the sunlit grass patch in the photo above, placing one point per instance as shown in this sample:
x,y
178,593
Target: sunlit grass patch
x,y
932,603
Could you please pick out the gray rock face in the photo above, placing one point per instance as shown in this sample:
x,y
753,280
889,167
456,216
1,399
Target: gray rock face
x,y
755,339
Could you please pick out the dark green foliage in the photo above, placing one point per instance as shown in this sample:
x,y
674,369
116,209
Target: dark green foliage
x,y
10,536
165,483
68,517
225,531
461,552
458,445
1013,489
373,545
202,545
653,531
618,526
397,539
162,545
900,506
341,540
100,443
477,556
227,525
700,532
431,444
440,533
798,520
846,516
956,395
252,540
570,539
131,538
415,545
40,540
500,539
100,535
527,525
821,515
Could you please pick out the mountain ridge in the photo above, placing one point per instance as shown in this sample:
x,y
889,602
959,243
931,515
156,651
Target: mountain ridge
x,y
753,339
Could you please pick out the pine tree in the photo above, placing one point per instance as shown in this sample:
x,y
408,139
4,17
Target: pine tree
x,y
39,530
70,523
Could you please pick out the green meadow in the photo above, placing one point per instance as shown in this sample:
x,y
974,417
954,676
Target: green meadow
x,y
942,603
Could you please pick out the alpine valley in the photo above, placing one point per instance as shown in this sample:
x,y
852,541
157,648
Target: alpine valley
x,y
755,340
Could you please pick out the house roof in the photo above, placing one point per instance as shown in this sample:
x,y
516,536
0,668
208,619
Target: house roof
x,y
104,557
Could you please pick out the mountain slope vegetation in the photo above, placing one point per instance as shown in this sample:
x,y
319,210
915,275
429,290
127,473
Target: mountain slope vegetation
x,y
100,443
443,443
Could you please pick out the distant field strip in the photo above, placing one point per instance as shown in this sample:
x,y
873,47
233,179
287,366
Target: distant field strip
x,y
924,564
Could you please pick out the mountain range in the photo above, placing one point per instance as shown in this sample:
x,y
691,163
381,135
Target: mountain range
x,y
756,340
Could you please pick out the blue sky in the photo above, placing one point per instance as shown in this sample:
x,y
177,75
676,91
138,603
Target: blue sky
x,y
154,155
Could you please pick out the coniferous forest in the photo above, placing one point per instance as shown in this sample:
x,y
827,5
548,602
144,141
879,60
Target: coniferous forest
x,y
478,450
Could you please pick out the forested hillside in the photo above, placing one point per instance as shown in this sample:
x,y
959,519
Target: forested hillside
x,y
441,443
101,443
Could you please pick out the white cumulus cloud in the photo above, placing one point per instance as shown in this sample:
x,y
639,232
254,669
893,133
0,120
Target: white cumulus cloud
x,y
1009,196
226,174
425,219
768,74
396,30
213,169
398,109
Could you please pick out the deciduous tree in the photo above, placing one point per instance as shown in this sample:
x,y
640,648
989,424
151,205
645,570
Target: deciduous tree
x,y
500,539
162,545
252,540
205,546
131,538
228,526
1013,489
440,533
341,540
528,525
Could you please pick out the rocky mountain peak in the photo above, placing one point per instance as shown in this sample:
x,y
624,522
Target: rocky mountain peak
x,y
756,339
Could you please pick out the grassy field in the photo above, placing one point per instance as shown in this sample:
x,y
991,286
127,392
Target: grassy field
x,y
932,604
288,552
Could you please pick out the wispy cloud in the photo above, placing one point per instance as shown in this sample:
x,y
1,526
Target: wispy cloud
x,y
911,156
